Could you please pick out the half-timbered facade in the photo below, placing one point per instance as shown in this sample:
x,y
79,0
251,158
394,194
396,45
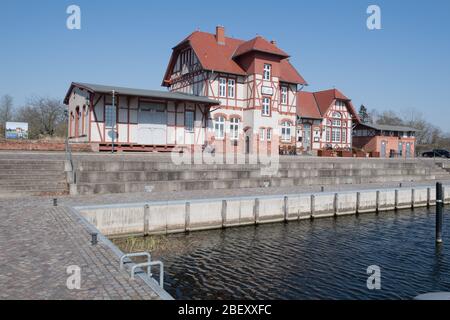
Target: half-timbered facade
x,y
254,82
325,120
137,120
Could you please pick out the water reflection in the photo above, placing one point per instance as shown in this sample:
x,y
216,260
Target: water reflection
x,y
320,259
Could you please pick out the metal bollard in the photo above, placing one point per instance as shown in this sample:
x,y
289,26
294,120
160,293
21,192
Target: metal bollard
x,y
94,239
439,205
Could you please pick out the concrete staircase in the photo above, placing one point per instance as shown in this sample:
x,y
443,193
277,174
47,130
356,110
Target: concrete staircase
x,y
98,177
31,174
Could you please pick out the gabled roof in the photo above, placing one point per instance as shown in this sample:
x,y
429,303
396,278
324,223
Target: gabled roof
x,y
307,106
155,94
220,57
318,103
259,44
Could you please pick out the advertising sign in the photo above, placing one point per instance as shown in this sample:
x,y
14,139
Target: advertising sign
x,y
16,130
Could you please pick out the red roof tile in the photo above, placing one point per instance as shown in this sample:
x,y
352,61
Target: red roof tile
x,y
307,105
261,45
315,105
219,57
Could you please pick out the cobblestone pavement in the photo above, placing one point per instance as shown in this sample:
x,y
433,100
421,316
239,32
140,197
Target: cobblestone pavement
x,y
37,244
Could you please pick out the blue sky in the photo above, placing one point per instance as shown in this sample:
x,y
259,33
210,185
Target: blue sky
x,y
403,66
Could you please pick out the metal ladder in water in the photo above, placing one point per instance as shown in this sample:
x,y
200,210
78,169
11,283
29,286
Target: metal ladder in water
x,y
144,265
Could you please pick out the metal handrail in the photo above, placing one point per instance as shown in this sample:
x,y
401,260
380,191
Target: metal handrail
x,y
149,265
134,255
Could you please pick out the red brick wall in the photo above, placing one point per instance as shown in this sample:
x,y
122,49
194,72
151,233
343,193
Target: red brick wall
x,y
36,145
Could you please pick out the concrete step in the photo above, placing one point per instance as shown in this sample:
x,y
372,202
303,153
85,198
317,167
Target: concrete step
x,y
53,176
37,183
183,185
131,176
43,166
108,166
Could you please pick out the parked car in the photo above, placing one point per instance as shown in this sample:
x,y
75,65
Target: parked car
x,y
436,153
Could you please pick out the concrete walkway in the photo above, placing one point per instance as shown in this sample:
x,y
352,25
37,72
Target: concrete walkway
x,y
38,242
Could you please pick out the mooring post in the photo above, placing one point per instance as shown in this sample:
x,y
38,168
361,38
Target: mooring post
x,y
55,202
94,239
439,205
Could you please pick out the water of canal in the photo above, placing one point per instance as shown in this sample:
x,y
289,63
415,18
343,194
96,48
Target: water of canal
x,y
320,259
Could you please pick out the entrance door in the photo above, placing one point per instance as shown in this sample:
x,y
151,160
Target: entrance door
x,y
152,124
400,150
383,149
247,144
307,137
408,150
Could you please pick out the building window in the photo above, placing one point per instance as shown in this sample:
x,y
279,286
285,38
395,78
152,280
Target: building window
x,y
269,134
266,107
234,128
189,121
286,131
327,135
284,95
219,127
344,135
231,88
267,72
261,134
110,116
336,135
222,87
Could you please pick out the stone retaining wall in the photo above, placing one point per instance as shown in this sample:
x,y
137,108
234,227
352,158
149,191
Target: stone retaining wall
x,y
181,216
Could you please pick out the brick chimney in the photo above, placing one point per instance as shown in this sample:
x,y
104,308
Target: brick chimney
x,y
220,35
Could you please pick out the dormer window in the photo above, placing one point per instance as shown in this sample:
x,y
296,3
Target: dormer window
x,y
267,72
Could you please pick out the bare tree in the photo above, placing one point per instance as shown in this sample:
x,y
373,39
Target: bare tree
x,y
45,117
6,112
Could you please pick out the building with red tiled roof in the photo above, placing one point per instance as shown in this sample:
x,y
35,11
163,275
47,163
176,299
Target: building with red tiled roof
x,y
254,81
325,120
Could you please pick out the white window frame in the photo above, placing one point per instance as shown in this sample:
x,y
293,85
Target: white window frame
x,y
284,95
267,74
189,125
262,134
234,128
286,134
231,88
336,135
219,128
327,134
222,87
265,110
269,134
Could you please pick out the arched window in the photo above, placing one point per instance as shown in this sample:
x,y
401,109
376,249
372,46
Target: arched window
x,y
219,127
269,134
71,124
234,128
83,116
286,131
336,130
77,121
